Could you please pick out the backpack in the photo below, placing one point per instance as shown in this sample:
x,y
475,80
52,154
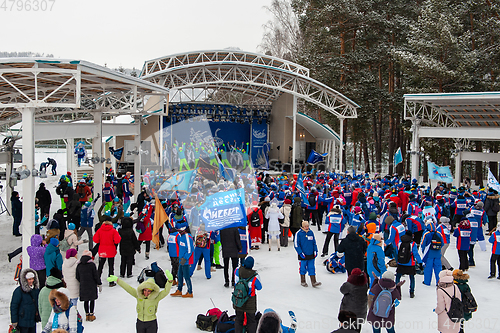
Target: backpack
x,y
404,253
436,242
206,323
240,293
469,301
446,211
383,304
496,207
201,240
79,325
456,311
225,323
255,219
145,273
140,227
312,200
64,245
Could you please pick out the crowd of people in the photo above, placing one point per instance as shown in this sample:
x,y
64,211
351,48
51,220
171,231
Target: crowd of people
x,y
388,221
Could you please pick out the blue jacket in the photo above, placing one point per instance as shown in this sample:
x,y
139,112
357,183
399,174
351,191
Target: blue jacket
x,y
173,244
87,216
305,244
53,258
495,239
414,223
186,248
375,259
460,205
463,238
335,222
427,240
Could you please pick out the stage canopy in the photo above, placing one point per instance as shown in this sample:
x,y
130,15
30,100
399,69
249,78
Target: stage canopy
x,y
317,129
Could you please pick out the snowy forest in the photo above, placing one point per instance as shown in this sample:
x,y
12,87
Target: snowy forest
x,y
375,51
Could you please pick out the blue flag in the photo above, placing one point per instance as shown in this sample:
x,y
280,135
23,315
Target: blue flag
x,y
440,173
224,210
227,173
300,186
117,153
398,157
315,157
181,181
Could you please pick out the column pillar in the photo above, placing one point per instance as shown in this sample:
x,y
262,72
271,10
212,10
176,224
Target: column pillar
x,y
97,152
333,157
341,148
415,149
294,132
137,160
28,141
458,168
70,144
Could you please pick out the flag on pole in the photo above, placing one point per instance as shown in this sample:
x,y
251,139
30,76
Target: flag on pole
x,y
160,218
224,210
315,157
117,153
492,181
181,181
398,157
300,186
440,173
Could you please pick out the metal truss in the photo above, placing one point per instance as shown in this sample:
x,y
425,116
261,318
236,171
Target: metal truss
x,y
193,58
62,90
222,73
427,114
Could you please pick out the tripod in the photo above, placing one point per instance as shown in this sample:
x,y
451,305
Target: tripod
x,y
3,206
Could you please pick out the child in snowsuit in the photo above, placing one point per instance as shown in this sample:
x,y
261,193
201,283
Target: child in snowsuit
x,y
307,250
408,267
431,248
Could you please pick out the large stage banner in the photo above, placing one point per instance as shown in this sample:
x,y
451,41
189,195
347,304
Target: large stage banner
x,y
224,210
260,149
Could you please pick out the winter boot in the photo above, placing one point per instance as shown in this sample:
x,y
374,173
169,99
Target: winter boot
x,y
187,295
303,282
177,293
213,269
175,282
87,317
198,268
147,255
314,283
91,317
112,284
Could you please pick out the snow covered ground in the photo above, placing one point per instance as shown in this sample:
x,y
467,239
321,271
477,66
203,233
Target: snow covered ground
x,y
316,309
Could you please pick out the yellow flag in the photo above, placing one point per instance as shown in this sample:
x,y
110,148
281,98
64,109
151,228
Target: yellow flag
x,y
160,218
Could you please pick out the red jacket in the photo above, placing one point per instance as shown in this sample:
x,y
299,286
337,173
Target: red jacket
x,y
84,192
108,238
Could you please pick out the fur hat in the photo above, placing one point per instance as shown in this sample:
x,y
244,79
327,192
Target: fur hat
x,y
388,275
269,322
71,253
458,275
357,277
62,294
378,237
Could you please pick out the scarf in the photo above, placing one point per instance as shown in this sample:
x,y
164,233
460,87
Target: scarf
x,y
57,311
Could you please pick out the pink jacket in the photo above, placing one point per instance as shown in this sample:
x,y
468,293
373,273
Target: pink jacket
x,y
445,325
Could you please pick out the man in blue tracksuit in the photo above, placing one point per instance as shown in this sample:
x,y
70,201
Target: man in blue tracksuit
x,y
431,248
307,250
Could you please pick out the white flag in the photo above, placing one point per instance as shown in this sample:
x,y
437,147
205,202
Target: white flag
x,y
492,181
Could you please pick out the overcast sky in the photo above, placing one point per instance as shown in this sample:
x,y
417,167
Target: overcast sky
x,y
126,32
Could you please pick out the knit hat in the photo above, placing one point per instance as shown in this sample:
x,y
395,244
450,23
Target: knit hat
x,y
372,216
71,226
444,219
458,275
388,275
480,204
249,262
357,209
87,253
71,253
267,199
371,228
378,237
389,219
351,230
54,241
56,273
30,275
357,277
288,201
445,273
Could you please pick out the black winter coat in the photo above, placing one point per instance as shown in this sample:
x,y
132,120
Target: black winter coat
x,y
86,274
489,203
263,207
354,249
251,304
355,299
129,243
24,302
74,206
296,220
44,197
17,207
231,244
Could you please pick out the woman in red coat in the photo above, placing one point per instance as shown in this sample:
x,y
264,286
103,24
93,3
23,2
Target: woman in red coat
x,y
254,229
107,238
147,235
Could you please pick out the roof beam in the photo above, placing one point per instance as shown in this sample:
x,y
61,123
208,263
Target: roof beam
x,y
473,133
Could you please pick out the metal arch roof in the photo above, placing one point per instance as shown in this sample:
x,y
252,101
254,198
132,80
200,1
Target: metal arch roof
x,y
315,128
468,109
254,75
58,87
